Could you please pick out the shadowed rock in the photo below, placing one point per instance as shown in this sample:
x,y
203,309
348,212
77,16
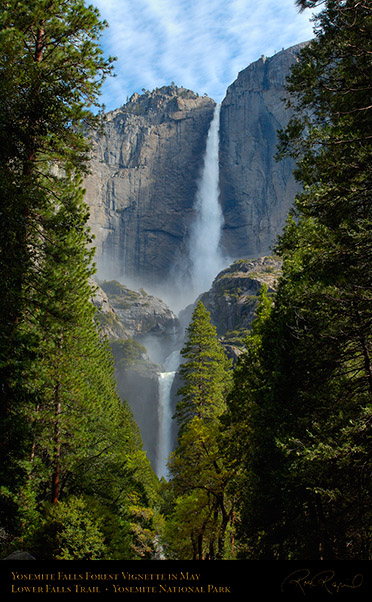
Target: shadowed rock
x,y
256,190
19,555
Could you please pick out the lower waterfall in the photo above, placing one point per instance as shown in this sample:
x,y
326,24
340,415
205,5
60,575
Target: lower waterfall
x,y
165,382
165,422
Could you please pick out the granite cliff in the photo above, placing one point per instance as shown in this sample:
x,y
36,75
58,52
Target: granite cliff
x,y
146,166
256,190
143,182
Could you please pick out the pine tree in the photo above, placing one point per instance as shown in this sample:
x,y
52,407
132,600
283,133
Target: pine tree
x,y
307,393
332,84
69,446
199,473
51,69
205,372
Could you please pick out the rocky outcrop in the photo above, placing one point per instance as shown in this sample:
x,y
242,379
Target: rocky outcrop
x,y
256,191
139,313
233,298
142,332
106,317
145,318
143,180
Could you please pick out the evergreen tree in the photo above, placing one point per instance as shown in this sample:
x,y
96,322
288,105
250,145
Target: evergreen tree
x,y
307,392
69,447
51,68
205,373
199,472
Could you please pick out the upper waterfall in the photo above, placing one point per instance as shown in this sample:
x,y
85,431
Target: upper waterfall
x,y
146,167
204,244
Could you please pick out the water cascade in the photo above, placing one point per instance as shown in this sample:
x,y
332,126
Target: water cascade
x,y
165,420
165,412
206,260
203,262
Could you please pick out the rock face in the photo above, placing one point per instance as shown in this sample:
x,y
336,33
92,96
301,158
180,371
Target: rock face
x,y
137,383
142,332
144,317
256,191
143,182
146,166
233,298
110,324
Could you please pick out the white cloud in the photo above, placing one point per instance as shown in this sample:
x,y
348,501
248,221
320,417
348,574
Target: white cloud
x,y
195,43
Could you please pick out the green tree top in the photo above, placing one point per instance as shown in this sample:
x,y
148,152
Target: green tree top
x,y
303,391
51,71
205,373
199,472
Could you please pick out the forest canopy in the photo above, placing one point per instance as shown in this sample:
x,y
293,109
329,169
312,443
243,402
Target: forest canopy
x,y
273,456
75,483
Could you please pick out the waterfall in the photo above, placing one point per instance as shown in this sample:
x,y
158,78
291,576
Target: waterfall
x,y
205,256
204,263
165,380
165,421
194,276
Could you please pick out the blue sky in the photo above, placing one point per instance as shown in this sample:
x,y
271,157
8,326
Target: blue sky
x,y
198,44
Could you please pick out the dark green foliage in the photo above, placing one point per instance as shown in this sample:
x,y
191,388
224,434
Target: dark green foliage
x,y
205,372
127,352
69,532
72,463
201,507
305,392
51,66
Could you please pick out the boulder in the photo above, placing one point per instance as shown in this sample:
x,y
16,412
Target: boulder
x,y
19,555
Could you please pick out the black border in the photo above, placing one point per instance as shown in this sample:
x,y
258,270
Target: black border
x,y
184,580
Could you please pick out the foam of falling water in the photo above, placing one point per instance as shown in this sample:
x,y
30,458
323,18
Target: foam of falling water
x,y
165,421
166,380
204,245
